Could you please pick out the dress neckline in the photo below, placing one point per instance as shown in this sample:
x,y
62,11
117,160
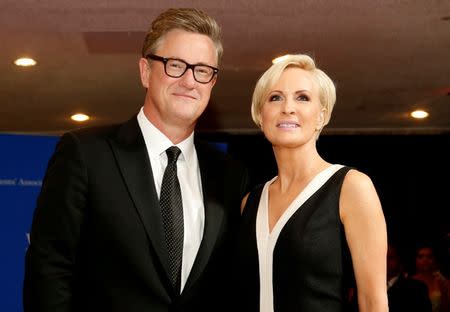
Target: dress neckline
x,y
318,180
266,241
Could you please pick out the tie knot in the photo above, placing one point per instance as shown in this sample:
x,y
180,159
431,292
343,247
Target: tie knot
x,y
172,154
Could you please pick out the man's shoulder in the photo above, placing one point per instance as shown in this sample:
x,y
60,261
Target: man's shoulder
x,y
412,284
417,284
103,132
96,138
95,132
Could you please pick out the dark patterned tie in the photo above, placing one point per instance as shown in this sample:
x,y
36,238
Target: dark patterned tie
x,y
172,216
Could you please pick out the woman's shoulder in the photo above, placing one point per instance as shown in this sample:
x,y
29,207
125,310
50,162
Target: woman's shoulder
x,y
356,180
358,195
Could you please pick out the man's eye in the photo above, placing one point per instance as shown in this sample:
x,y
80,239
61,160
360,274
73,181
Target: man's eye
x,y
176,65
203,70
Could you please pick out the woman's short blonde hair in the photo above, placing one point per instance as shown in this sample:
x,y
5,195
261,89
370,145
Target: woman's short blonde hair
x,y
327,90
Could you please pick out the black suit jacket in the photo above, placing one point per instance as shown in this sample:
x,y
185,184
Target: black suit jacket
x,y
407,294
97,239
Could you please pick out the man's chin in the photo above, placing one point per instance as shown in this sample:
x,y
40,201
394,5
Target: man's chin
x,y
187,117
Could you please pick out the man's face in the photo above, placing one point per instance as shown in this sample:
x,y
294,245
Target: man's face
x,y
178,102
425,260
393,263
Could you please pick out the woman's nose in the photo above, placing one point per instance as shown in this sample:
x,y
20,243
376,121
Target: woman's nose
x,y
288,107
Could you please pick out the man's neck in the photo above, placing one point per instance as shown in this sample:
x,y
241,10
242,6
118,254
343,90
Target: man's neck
x,y
176,133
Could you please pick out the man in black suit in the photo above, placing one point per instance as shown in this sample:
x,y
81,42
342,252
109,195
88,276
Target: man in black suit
x,y
404,293
101,238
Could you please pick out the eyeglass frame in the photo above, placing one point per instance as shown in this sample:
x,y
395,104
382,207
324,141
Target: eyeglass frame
x,y
164,60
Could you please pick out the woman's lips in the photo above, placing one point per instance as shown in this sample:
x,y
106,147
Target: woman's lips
x,y
287,125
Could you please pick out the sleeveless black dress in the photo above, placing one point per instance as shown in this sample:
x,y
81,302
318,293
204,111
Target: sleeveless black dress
x,y
311,265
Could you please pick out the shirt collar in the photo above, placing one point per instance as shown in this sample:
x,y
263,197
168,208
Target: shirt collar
x,y
157,142
392,281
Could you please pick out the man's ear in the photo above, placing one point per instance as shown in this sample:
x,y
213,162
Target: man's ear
x,y
144,70
213,81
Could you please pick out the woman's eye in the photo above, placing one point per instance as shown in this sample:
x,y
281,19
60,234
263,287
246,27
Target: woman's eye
x,y
303,98
274,97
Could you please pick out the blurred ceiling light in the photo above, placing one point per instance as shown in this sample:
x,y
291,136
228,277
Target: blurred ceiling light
x,y
279,59
419,114
80,117
25,62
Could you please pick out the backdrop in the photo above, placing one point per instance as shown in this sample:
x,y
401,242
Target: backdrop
x,y
23,160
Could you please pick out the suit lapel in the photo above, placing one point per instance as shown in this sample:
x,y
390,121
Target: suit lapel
x,y
132,157
214,213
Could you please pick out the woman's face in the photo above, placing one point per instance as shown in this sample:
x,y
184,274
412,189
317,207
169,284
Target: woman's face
x,y
291,114
425,260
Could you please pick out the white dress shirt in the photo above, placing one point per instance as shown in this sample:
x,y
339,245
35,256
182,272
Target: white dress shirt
x,y
190,183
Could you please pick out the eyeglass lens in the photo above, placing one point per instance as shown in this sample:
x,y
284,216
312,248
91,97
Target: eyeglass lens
x,y
176,68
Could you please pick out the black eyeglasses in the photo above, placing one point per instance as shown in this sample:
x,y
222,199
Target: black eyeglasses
x,y
176,68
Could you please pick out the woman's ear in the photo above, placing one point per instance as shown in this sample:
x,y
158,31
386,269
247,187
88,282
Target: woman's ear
x,y
321,119
144,69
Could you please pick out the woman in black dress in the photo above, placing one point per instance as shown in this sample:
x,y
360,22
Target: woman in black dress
x,y
309,230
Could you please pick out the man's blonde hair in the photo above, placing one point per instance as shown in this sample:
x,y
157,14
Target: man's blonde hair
x,y
191,20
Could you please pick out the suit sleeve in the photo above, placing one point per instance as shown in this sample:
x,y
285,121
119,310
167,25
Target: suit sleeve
x,y
51,258
422,300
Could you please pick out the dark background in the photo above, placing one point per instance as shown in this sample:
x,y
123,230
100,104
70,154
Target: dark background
x,y
410,173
